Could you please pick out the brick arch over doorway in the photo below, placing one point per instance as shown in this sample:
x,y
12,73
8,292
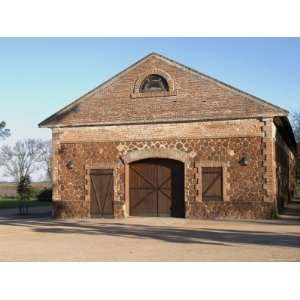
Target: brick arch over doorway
x,y
155,153
167,154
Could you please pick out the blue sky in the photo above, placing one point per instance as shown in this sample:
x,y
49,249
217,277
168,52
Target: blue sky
x,y
38,76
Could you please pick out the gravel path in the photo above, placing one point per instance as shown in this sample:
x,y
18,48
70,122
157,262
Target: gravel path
x,y
147,239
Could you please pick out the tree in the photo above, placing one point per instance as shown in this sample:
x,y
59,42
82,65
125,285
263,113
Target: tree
x,y
296,125
46,159
23,159
4,132
24,190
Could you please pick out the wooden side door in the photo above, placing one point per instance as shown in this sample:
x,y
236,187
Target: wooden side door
x,y
102,190
212,184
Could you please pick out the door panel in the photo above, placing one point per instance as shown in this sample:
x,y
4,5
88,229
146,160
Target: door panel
x,y
142,198
154,188
178,204
143,203
164,204
101,193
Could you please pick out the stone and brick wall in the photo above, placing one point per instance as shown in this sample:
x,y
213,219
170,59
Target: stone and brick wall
x,y
196,144
285,171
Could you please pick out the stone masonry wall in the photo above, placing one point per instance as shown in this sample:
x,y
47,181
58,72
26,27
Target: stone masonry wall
x,y
244,184
285,173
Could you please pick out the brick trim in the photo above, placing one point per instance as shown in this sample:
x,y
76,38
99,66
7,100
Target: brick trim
x,y
189,178
155,153
226,176
268,161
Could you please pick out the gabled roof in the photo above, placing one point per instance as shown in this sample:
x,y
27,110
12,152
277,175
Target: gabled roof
x,y
54,120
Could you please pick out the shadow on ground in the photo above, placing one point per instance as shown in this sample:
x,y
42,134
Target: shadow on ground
x,y
33,212
173,234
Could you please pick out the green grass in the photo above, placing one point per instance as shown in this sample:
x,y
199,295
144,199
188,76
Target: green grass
x,y
14,203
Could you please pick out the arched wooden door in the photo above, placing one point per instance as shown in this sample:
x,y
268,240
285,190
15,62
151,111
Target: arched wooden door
x,y
157,188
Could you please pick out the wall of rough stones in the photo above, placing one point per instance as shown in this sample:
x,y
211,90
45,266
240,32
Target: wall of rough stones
x,y
285,173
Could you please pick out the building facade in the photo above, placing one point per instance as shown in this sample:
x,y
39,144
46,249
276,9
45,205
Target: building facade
x,y
161,139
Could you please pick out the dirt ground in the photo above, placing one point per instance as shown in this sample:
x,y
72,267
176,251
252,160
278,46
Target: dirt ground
x,y
147,239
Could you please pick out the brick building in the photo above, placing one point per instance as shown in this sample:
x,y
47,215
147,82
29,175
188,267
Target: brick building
x,y
161,139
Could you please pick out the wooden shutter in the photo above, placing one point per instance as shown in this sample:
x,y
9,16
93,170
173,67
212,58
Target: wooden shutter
x,y
212,184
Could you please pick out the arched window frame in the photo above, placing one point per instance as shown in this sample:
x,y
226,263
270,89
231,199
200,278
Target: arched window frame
x,y
171,84
150,79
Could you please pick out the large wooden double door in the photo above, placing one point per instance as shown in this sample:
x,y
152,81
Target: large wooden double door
x,y
157,188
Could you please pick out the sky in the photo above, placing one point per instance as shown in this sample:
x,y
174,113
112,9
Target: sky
x,y
39,76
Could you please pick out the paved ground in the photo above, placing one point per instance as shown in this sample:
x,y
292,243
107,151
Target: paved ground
x,y
146,239
35,212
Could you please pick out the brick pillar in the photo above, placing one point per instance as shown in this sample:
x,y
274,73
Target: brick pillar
x,y
119,192
190,188
269,162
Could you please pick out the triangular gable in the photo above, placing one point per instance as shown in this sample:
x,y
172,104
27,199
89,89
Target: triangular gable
x,y
260,107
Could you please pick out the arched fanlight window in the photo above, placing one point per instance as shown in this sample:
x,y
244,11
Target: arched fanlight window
x,y
154,83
